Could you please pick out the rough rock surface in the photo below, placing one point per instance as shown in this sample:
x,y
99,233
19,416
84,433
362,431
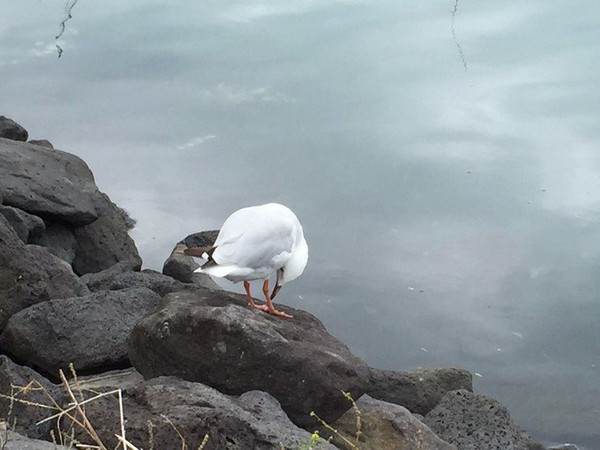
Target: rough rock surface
x,y
58,271
28,227
15,441
103,243
29,275
9,129
200,239
254,421
181,267
386,426
59,239
121,276
17,379
89,331
214,338
41,142
51,184
472,421
417,390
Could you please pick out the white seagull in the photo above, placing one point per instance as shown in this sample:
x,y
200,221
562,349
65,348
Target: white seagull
x,y
253,243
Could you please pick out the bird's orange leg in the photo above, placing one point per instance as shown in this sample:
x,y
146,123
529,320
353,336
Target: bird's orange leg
x,y
251,301
270,308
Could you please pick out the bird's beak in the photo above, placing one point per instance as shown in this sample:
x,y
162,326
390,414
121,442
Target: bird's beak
x,y
275,291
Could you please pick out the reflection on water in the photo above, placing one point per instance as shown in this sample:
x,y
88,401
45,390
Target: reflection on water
x,y
451,213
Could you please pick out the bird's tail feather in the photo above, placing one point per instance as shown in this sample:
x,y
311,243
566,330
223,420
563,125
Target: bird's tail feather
x,y
215,270
199,252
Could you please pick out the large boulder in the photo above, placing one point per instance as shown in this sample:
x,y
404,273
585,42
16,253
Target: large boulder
x,y
473,421
51,184
60,274
28,227
122,275
418,390
89,331
9,129
30,275
173,409
22,388
105,242
84,227
383,425
214,338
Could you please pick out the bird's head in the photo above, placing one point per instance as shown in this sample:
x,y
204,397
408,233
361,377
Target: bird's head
x,y
294,267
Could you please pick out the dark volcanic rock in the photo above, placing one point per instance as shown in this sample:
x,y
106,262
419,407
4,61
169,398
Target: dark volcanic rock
x,y
181,267
84,227
9,129
49,183
28,227
15,379
89,331
214,338
121,276
472,421
254,421
60,275
386,425
103,243
59,239
418,390
42,143
30,274
200,239
15,441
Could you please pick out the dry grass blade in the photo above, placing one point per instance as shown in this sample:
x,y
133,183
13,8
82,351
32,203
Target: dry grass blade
x,y
183,444
333,430
357,415
26,402
33,385
122,419
87,426
204,442
63,412
150,435
126,444
75,412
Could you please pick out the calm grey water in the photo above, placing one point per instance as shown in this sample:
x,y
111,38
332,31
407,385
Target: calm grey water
x,y
450,204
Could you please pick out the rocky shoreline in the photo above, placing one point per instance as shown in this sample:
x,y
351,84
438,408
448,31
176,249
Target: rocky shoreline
x,y
190,360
